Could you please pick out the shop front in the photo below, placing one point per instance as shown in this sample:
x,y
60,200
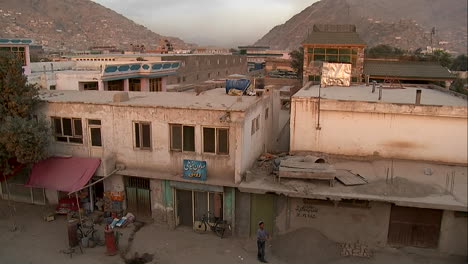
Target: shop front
x,y
194,200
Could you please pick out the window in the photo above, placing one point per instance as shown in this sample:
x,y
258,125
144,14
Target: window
x,y
343,55
155,85
18,52
69,130
266,113
95,132
178,79
183,79
255,125
209,75
115,85
182,138
198,77
89,86
142,132
134,85
52,87
216,140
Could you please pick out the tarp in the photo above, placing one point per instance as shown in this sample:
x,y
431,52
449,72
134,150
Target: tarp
x,y
67,174
239,84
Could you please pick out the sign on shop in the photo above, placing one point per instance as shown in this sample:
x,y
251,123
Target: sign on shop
x,y
195,170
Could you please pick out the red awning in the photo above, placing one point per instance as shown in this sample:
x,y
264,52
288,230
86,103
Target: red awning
x,y
67,174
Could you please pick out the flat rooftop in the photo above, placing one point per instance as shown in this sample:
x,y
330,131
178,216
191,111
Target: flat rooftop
x,y
215,99
390,95
414,183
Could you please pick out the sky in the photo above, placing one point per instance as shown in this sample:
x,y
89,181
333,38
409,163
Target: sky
x,y
221,23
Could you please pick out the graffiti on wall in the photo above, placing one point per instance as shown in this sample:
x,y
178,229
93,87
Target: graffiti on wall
x,y
355,250
306,211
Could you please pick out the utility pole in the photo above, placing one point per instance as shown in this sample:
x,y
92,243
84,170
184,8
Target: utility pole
x,y
432,34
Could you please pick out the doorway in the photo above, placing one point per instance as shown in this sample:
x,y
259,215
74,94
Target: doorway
x,y
193,205
138,196
415,227
261,209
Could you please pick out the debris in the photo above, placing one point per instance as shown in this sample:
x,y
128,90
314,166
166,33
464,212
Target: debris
x,y
307,170
349,179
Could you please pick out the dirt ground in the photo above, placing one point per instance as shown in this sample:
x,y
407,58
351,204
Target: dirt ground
x,y
37,241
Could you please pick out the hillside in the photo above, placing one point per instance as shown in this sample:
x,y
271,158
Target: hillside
x,y
401,23
73,24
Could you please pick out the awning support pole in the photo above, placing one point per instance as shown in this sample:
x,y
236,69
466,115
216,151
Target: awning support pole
x,y
79,210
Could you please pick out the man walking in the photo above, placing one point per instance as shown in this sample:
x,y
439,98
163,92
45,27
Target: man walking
x,y
262,237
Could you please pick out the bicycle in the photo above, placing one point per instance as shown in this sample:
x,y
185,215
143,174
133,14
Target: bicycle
x,y
86,229
218,227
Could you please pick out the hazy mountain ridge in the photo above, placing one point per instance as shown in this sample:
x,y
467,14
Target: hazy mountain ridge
x,y
74,24
401,23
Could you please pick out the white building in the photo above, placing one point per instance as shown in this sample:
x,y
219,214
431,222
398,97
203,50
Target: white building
x,y
400,161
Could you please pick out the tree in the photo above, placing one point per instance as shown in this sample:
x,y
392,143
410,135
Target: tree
x,y
23,136
385,51
297,61
460,63
442,57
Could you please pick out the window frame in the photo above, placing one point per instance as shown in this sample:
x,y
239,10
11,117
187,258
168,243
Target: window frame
x,y
216,141
93,126
73,135
140,135
171,137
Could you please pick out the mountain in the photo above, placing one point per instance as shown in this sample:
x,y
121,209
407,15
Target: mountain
x,y
74,25
401,23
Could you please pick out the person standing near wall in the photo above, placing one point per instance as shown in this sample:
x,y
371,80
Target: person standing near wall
x,y
262,237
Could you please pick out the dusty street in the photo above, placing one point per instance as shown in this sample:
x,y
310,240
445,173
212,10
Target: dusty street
x,y
37,241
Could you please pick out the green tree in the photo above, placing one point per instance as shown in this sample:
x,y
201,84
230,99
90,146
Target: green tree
x,y
385,51
460,63
297,61
442,57
23,137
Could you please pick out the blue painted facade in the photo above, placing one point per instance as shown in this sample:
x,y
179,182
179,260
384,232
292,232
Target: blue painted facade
x,y
139,70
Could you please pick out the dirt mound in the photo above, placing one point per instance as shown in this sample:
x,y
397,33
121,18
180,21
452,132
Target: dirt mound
x,y
305,245
399,187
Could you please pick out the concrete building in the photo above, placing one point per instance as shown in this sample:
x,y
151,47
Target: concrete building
x,y
147,142
149,76
402,184
194,68
257,56
20,47
336,44
211,50
198,68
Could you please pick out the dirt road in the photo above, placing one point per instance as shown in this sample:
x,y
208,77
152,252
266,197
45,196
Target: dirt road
x,y
36,241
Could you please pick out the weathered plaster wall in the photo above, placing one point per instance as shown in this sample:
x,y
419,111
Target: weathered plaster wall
x,y
68,81
434,133
253,145
453,234
340,224
159,161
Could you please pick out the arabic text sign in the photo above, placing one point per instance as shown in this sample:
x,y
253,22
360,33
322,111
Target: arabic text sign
x,y
195,170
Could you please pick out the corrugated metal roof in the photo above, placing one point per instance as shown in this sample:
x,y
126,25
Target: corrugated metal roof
x,y
407,69
334,38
